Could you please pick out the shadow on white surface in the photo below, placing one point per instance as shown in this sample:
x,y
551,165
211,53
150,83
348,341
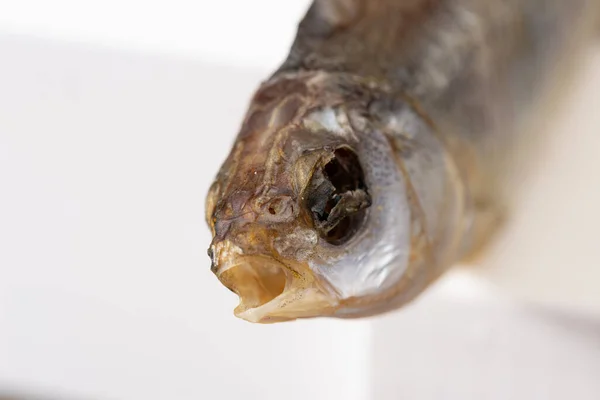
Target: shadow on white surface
x,y
456,349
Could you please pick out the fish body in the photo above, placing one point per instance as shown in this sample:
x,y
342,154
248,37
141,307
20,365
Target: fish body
x,y
377,155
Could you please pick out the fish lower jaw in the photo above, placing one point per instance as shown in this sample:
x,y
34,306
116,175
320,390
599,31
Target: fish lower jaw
x,y
291,304
269,292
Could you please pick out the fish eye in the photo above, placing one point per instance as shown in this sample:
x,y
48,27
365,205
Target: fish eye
x,y
337,197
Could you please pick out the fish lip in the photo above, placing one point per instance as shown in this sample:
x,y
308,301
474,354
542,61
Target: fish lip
x,y
270,296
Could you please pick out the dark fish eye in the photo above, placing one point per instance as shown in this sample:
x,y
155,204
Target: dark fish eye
x,y
337,197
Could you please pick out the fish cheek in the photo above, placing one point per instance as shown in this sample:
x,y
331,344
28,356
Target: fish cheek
x,y
337,197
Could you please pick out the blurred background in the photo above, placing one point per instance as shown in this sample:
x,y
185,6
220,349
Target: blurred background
x,y
114,117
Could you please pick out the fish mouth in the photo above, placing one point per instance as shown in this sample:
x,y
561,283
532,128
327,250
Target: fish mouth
x,y
271,291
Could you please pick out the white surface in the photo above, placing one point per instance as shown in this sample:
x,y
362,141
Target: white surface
x,y
233,31
452,348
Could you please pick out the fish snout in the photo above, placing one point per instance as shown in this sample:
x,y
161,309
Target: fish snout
x,y
269,290
257,280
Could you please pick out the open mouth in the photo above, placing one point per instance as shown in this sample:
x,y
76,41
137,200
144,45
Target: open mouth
x,y
255,280
269,292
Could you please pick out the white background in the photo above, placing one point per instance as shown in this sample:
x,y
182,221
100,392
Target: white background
x,y
249,33
115,115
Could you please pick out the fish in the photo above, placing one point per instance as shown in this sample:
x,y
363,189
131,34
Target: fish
x,y
381,152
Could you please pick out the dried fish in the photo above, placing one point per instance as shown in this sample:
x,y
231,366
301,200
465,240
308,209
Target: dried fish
x,y
375,157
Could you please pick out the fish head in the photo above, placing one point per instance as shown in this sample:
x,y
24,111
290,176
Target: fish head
x,y
310,221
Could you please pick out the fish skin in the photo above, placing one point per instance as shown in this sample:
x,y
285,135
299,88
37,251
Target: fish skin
x,y
433,97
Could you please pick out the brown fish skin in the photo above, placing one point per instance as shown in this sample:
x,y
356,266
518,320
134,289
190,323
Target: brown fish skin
x,y
375,157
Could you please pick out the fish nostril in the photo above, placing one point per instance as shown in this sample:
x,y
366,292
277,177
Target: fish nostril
x,y
280,206
275,206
